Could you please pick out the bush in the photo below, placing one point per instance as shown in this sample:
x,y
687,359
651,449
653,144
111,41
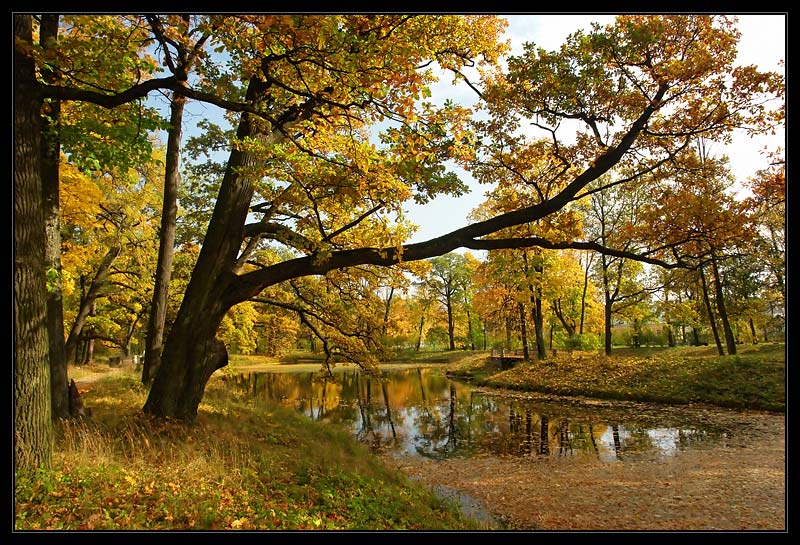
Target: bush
x,y
582,341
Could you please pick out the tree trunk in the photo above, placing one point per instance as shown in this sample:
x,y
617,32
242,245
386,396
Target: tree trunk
x,y
710,312
451,326
169,215
730,341
51,151
33,427
469,330
557,310
88,356
386,308
538,325
523,332
753,333
87,302
419,334
607,325
191,352
583,293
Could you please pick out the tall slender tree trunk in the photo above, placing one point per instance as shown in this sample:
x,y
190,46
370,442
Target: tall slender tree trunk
x,y
33,427
730,341
419,333
607,324
387,305
88,300
50,156
469,330
583,293
166,248
538,325
712,321
451,325
523,329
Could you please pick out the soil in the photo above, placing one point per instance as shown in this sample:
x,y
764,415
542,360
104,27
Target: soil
x,y
736,486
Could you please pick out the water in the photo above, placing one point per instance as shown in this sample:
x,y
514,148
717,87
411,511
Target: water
x,y
422,412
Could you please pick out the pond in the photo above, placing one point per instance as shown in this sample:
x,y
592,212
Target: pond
x,y
422,412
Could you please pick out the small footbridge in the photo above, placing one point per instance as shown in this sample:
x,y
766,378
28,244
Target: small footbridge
x,y
507,358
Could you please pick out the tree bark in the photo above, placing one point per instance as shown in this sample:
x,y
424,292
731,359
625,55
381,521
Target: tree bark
x,y
523,332
451,323
712,321
33,427
730,341
50,156
192,353
166,248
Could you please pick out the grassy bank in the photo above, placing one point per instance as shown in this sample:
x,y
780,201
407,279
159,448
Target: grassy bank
x,y
753,379
239,467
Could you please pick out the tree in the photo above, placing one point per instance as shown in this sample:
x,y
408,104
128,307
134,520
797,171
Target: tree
x,y
33,440
311,88
447,281
179,55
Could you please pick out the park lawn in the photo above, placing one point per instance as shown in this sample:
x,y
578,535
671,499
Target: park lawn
x,y
755,378
240,467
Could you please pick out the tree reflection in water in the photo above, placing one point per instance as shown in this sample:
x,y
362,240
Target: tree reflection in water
x,y
423,412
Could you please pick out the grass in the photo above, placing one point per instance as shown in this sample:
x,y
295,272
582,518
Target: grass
x,y
239,467
753,379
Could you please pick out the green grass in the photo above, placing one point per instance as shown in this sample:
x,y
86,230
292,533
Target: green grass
x,y
238,467
753,379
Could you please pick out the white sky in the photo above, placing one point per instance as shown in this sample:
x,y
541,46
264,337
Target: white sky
x,y
763,42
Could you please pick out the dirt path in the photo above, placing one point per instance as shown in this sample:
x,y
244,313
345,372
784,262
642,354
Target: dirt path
x,y
739,486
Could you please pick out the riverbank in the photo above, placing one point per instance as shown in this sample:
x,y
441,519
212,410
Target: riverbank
x,y
240,467
753,379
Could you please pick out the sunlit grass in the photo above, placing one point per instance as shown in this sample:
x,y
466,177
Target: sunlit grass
x,y
238,467
753,379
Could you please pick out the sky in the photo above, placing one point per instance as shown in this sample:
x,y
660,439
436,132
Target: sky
x,y
763,43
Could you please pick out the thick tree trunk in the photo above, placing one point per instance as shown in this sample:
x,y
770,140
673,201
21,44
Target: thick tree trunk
x,y
51,151
33,427
169,215
710,312
730,341
753,333
192,353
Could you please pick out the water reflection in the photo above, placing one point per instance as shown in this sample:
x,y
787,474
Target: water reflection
x,y
423,412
